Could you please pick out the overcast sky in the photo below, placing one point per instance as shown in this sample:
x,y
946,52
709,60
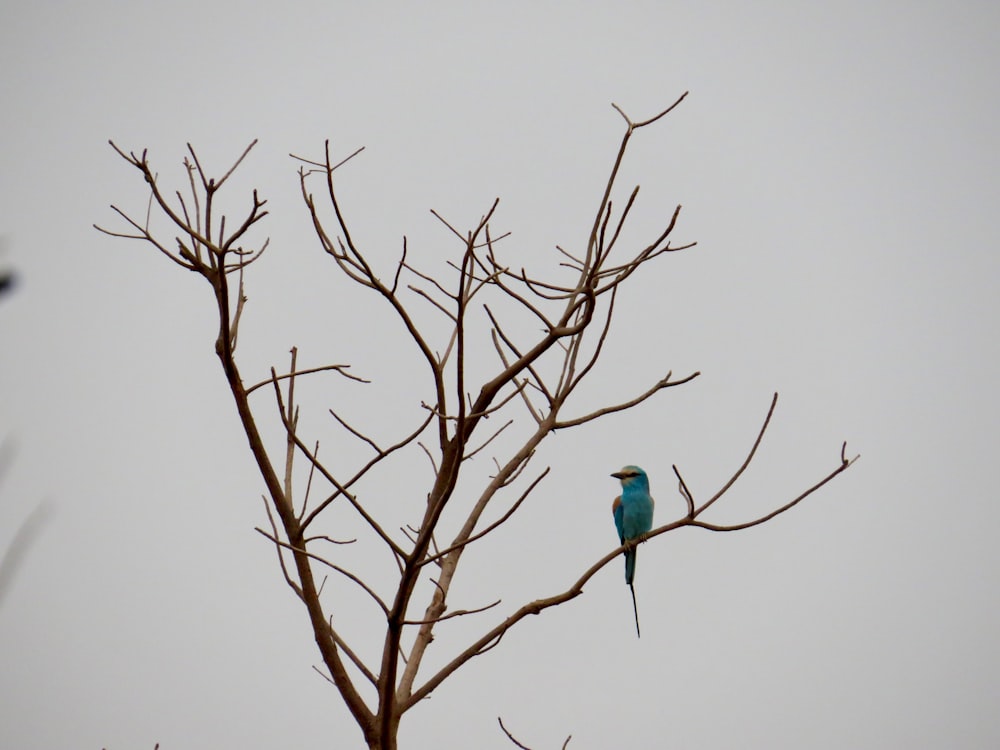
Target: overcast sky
x,y
838,168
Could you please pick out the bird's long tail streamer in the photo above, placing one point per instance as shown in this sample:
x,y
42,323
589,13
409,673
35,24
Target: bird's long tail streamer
x,y
635,609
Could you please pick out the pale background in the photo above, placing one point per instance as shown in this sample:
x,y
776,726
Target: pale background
x,y
838,167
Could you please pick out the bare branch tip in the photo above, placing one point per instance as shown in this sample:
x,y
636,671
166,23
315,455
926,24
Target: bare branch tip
x,y
511,737
620,111
844,460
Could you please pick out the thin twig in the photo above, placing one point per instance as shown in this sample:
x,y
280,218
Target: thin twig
x,y
455,613
746,461
339,368
510,736
685,492
312,555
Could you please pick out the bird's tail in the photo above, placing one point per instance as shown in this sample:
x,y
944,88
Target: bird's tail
x,y
635,609
629,578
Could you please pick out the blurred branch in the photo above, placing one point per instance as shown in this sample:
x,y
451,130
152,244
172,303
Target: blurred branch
x,y
17,551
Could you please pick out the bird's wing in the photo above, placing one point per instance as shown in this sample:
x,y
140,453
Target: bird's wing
x,y
619,512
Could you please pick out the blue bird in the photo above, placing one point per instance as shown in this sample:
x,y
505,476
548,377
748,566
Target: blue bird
x,y
633,511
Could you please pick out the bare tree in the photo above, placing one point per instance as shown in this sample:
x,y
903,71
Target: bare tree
x,y
533,379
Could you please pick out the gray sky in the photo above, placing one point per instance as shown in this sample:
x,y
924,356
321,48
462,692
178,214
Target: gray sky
x,y
838,168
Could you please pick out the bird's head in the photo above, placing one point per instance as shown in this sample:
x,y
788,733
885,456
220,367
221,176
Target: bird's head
x,y
630,475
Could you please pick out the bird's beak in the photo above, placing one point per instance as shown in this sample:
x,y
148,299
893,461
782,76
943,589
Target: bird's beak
x,y
618,475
